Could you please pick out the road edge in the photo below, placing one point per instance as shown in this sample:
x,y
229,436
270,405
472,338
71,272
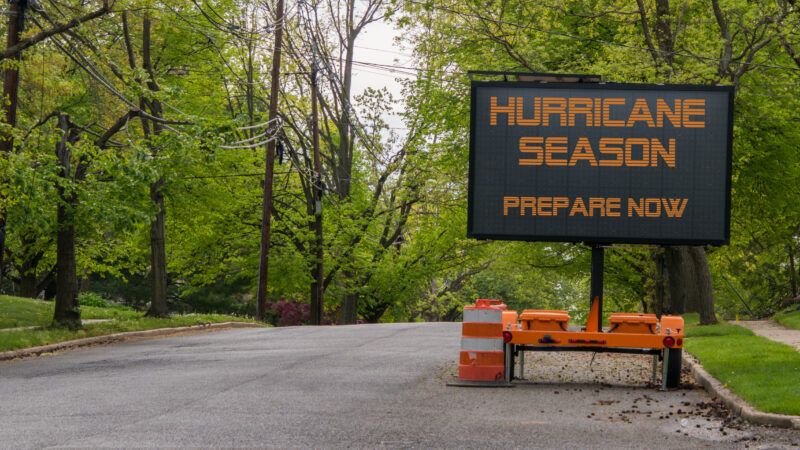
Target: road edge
x,y
736,404
118,337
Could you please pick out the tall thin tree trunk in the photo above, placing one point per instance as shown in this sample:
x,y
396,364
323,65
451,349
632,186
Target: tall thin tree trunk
x,y
318,272
349,304
15,25
792,270
269,169
345,172
158,255
158,249
66,307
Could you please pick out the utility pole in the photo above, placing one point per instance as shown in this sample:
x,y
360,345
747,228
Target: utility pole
x,y
266,225
16,23
319,273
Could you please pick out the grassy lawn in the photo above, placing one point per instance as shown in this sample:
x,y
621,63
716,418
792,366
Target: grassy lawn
x,y
763,372
691,319
22,312
26,312
790,319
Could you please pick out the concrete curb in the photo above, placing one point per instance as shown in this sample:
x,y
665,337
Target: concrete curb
x,y
119,337
735,403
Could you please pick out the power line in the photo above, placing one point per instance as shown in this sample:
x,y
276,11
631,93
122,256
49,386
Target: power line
x,y
588,39
351,114
383,50
232,175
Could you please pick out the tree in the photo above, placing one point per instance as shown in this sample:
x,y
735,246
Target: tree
x,y
670,42
13,51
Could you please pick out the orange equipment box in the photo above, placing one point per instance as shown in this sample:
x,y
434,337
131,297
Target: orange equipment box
x,y
510,320
544,320
633,323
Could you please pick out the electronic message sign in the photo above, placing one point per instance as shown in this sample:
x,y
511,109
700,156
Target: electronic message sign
x,y
602,163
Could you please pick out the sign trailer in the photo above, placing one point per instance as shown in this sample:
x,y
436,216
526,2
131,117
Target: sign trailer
x,y
566,158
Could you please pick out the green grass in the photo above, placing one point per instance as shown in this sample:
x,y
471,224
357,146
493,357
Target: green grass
x,y
789,319
21,312
763,372
691,319
26,312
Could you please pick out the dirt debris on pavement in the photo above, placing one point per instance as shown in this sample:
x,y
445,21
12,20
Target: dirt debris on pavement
x,y
617,389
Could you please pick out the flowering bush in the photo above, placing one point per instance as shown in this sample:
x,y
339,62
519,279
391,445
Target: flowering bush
x,y
284,313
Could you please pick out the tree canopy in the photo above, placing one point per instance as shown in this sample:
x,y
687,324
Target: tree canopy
x,y
141,130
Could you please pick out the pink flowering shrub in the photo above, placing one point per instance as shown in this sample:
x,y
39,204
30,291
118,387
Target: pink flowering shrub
x,y
284,313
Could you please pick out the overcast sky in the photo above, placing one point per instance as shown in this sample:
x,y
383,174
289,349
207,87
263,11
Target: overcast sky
x,y
376,44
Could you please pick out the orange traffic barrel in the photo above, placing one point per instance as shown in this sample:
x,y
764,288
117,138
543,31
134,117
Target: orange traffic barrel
x,y
481,357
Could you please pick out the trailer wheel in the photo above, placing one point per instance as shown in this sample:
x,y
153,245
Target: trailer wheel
x,y
673,367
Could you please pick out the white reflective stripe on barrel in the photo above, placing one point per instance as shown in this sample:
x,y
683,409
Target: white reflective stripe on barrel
x,y
483,315
481,345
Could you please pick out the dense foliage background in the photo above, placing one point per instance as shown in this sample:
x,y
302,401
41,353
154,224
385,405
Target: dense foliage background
x,y
168,100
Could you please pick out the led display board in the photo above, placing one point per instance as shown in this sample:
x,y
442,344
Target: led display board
x,y
600,163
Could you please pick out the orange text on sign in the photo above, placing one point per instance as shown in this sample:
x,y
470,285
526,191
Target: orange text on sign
x,y
546,206
613,112
607,152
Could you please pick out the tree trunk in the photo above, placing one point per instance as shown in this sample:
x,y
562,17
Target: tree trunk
x,y
158,255
15,25
269,171
349,306
158,251
679,280
28,283
84,285
703,295
690,287
661,282
66,307
66,310
318,272
50,286
344,170
792,270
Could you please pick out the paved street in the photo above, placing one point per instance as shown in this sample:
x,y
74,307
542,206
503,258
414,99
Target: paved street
x,y
367,386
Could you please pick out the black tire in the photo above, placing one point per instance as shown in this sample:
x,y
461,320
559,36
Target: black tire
x,y
674,367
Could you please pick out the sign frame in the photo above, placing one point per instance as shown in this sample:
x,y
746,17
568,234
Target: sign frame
x,y
475,85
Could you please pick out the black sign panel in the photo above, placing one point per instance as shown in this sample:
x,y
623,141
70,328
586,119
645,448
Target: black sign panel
x,y
602,163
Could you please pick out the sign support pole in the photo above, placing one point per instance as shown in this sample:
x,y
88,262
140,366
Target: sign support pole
x,y
596,291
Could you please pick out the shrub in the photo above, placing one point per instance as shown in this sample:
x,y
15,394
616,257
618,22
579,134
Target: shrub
x,y
286,313
92,299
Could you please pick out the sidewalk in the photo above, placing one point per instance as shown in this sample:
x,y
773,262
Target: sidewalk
x,y
774,331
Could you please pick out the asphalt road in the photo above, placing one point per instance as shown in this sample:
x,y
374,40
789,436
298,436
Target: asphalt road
x,y
366,386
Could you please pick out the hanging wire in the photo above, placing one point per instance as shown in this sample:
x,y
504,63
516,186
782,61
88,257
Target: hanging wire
x,y
351,114
562,34
271,133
